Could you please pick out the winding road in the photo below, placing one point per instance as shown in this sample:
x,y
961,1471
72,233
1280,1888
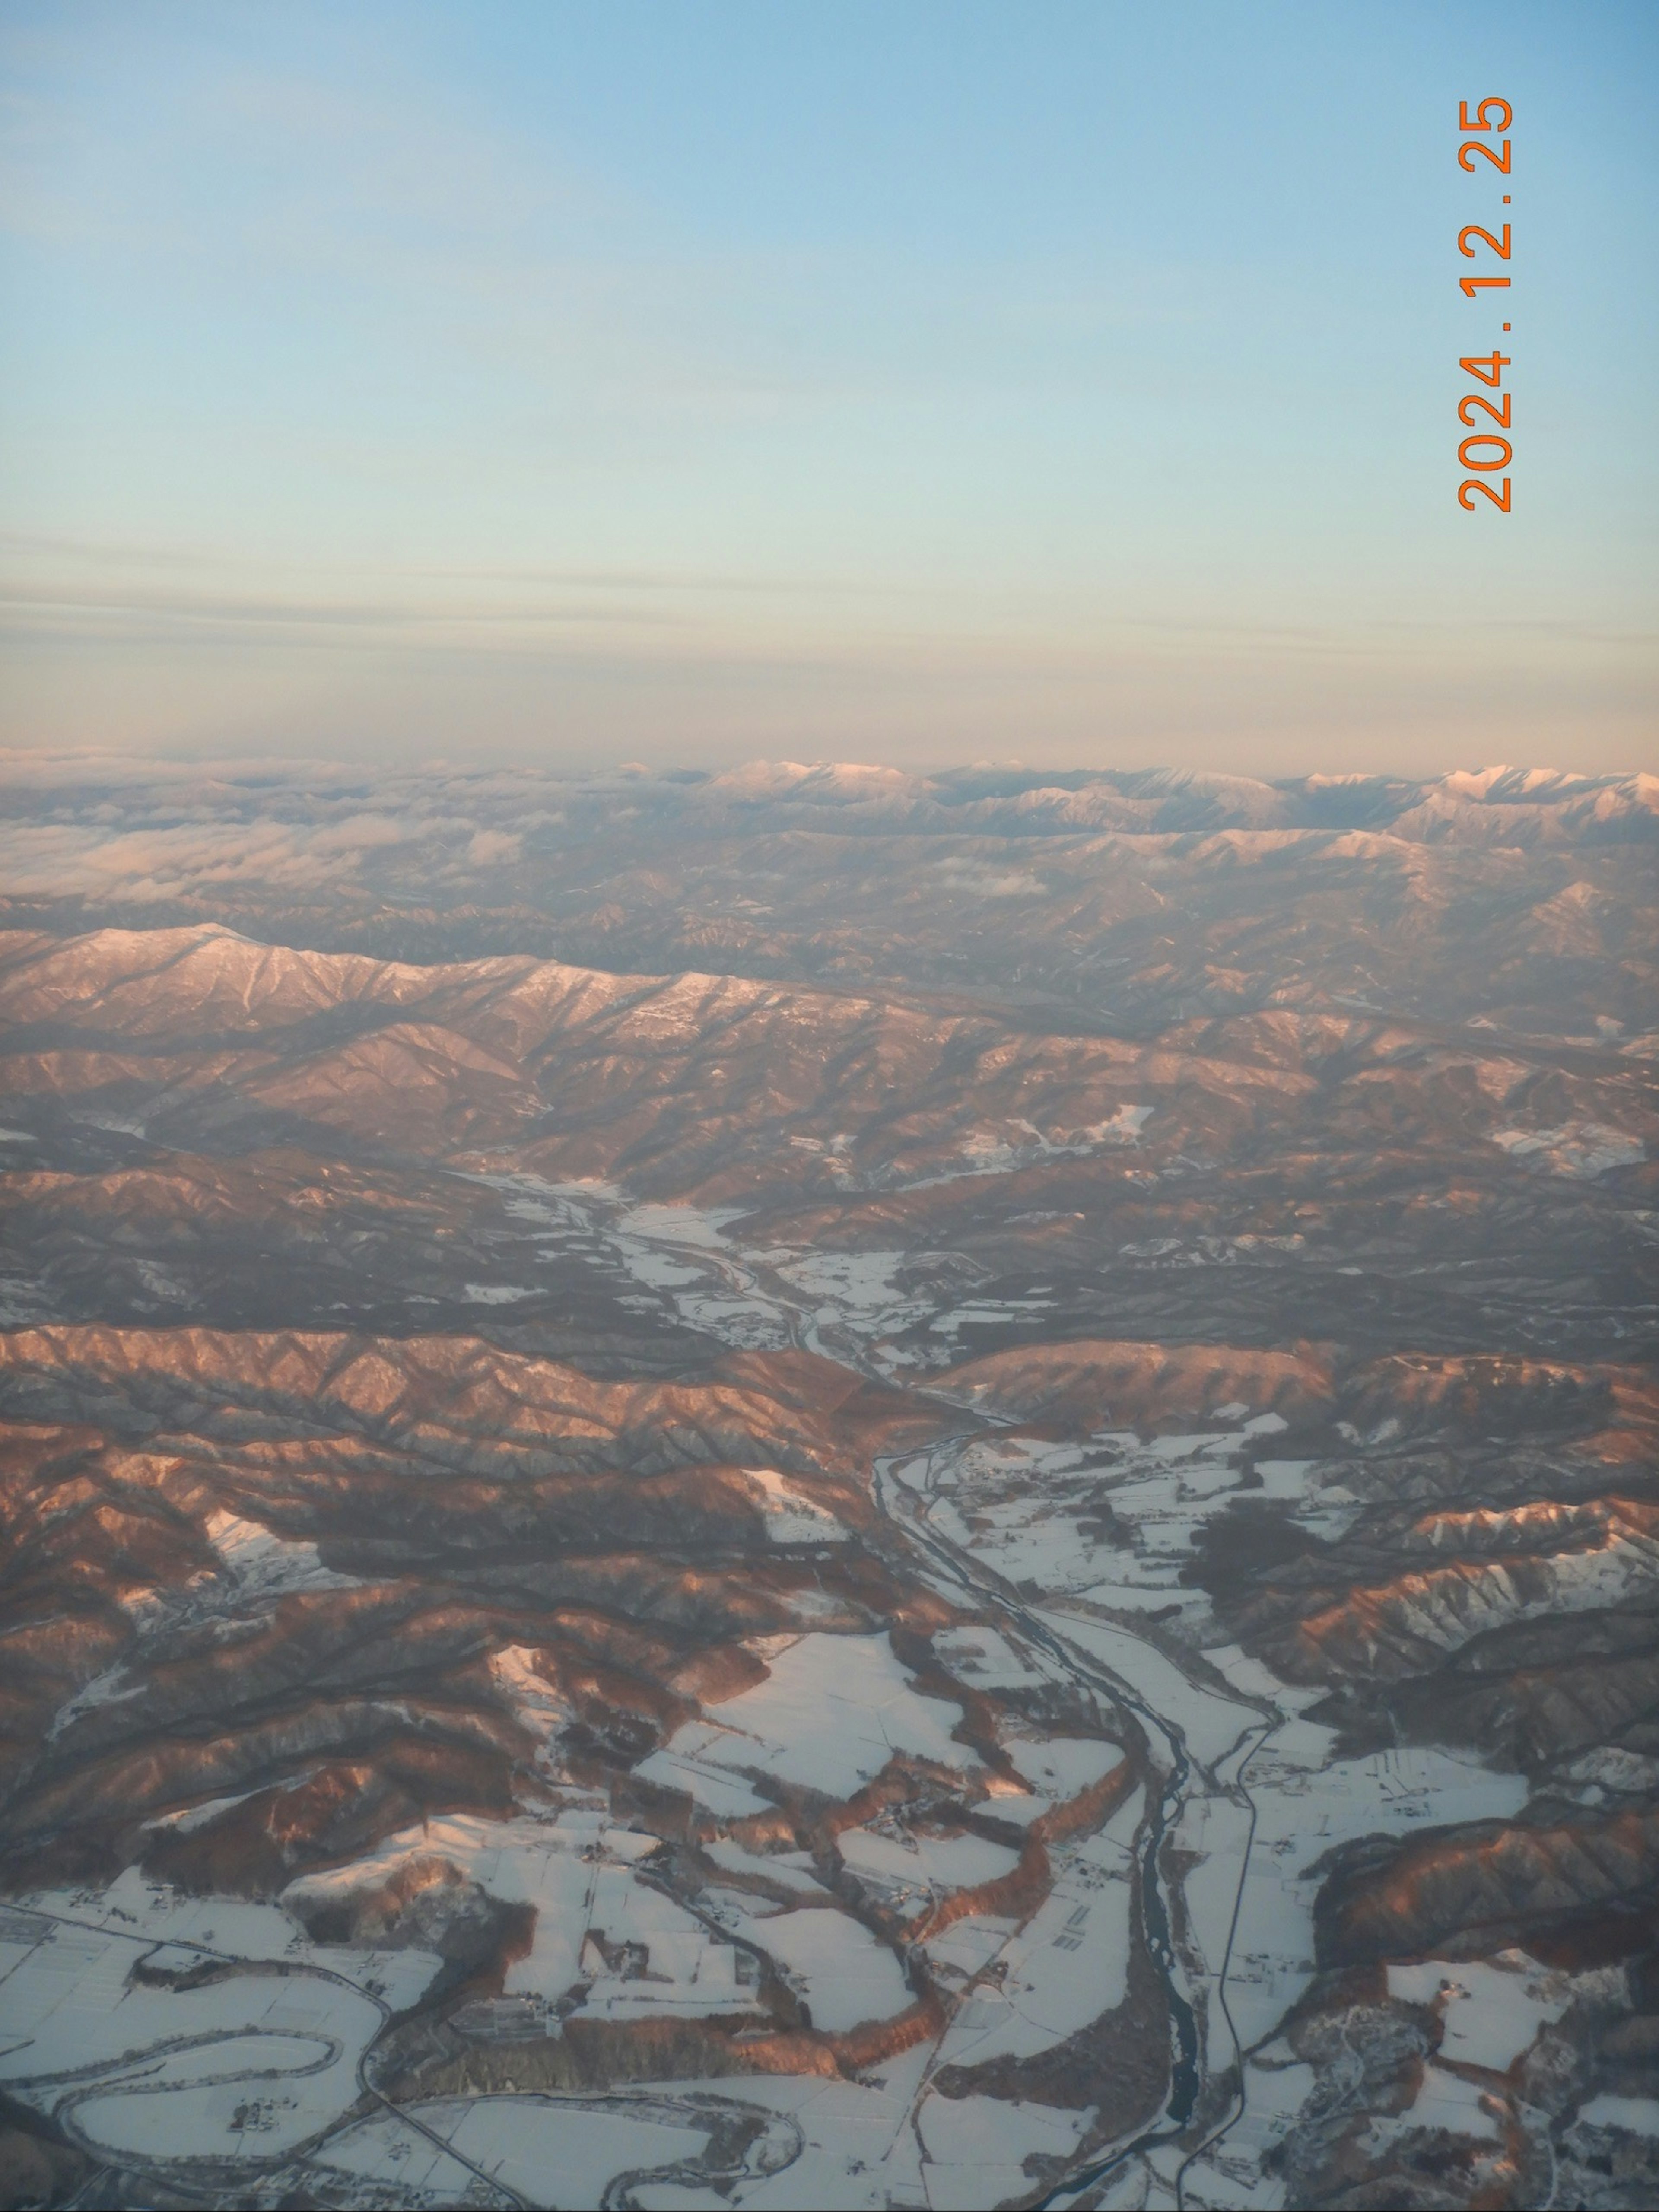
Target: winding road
x,y
907,1506
1141,1676
908,1510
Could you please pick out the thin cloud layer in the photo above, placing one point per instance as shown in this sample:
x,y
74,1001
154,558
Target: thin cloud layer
x,y
92,827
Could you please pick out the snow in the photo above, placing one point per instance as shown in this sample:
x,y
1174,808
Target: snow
x,y
1248,1674
1580,1150
553,2151
1217,1831
1277,2085
690,1762
390,2149
1638,2116
1306,1803
148,1914
831,1713
854,2146
255,2095
1611,1767
792,1517
579,1873
985,1657
1022,1502
109,1688
197,1816
1066,1966
1492,2011
1450,1606
681,1968
1445,2100
678,1225
1018,1811
1019,1142
976,2147
265,1565
1018,1502
845,1974
932,1862
668,1247
1329,1509
1284,1477
1212,1724
788,1870
249,2065
537,1705
855,1289
1060,1766
967,1946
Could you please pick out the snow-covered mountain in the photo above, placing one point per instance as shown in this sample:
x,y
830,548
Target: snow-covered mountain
x,y
823,1485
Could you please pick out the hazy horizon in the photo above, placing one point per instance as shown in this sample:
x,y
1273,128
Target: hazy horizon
x,y
830,1109
571,385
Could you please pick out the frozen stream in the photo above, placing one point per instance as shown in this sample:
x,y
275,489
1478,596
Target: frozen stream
x,y
1139,1676
1201,1738
270,2059
1250,1795
275,2076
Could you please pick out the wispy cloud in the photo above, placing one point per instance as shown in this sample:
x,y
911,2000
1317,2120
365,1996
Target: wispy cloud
x,y
159,611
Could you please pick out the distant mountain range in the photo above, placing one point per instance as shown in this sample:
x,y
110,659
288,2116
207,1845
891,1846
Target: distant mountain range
x,y
824,1486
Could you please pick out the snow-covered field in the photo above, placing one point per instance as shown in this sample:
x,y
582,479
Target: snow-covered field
x,y
830,1716
608,1943
1267,1798
1073,1552
255,2061
1066,1965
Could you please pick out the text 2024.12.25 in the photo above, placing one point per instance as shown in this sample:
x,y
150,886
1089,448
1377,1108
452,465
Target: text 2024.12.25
x,y
1483,450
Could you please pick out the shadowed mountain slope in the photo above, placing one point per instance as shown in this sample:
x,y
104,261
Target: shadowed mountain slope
x,y
825,1485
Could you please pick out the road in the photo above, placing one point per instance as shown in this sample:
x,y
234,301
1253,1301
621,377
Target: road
x,y
119,2078
908,1508
1139,1676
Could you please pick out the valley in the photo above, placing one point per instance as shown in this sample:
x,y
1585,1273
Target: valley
x,y
993,1544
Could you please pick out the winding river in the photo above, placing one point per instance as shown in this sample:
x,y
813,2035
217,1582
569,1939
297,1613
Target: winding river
x,y
748,1280
1139,1677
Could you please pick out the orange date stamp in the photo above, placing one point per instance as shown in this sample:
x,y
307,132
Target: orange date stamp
x,y
1484,451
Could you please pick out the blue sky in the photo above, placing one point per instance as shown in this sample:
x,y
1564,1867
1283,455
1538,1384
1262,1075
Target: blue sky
x,y
683,380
